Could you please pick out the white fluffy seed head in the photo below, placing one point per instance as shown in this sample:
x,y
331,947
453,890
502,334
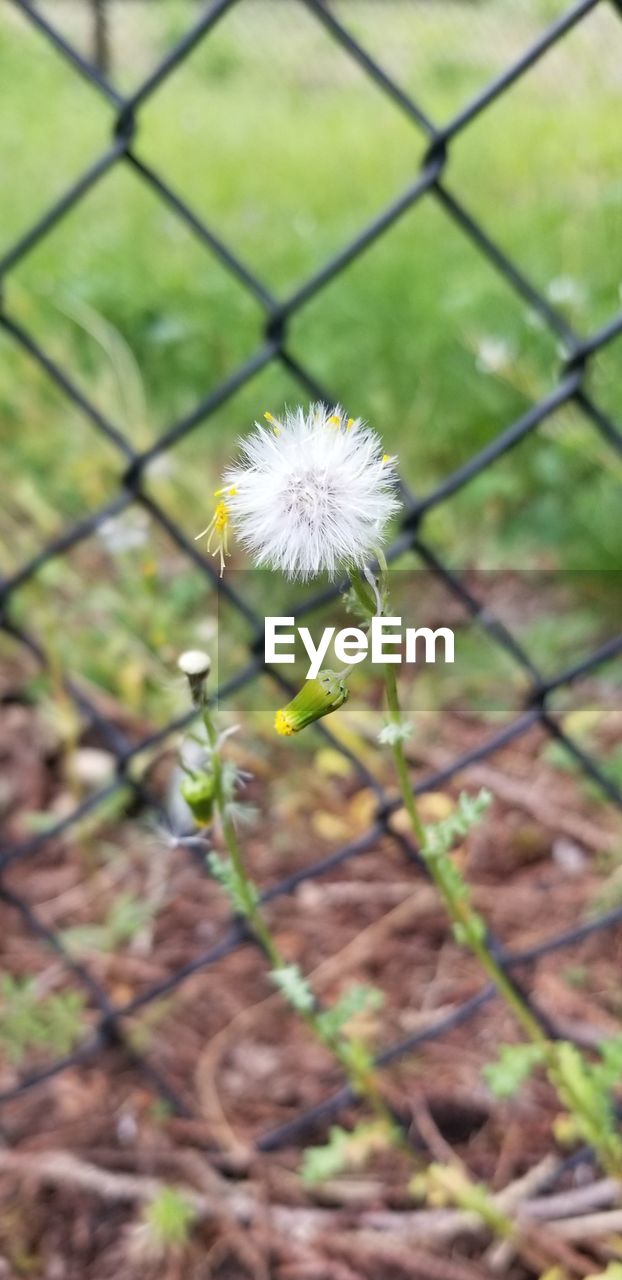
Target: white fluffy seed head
x,y
311,493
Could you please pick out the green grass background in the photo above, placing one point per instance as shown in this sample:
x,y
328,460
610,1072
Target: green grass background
x,y
285,147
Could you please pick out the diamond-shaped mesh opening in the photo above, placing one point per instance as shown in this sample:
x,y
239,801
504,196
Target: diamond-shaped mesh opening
x,y
34,75
261,177
560,203
129,337
43,494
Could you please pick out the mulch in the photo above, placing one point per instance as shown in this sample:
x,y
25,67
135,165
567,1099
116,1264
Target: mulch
x,y
239,1063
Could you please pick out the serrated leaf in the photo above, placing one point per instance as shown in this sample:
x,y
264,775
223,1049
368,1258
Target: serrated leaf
x,y
357,1057
242,893
294,986
30,1021
441,836
345,1149
357,999
513,1066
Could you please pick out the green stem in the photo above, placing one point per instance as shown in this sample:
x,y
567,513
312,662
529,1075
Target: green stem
x,y
363,1083
458,909
407,793
252,911
471,930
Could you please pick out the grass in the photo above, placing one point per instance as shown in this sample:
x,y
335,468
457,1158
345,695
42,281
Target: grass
x,y
277,139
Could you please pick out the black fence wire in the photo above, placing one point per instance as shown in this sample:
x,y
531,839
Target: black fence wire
x,y
571,389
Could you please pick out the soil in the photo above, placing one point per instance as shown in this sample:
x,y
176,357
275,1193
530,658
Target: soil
x,y
192,1081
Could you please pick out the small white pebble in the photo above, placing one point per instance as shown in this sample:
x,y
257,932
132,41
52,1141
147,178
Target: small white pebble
x,y
569,856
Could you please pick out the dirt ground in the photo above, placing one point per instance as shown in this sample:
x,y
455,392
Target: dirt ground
x,y
80,1149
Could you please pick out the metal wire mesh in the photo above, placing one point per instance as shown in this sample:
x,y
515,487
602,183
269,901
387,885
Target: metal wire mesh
x,y
571,389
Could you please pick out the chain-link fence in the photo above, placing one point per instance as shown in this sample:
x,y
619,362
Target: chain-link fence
x,y
429,185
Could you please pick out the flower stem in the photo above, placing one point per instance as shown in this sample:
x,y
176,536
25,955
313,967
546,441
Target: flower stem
x,y
362,1076
407,793
251,910
458,909
572,1085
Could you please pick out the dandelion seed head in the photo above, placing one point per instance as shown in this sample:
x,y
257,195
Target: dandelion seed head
x,y
312,492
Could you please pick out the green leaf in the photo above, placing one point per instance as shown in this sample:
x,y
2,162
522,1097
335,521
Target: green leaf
x,y
126,917
29,1021
345,1149
321,1163
169,1217
242,893
294,986
608,1072
357,1057
442,836
357,999
514,1064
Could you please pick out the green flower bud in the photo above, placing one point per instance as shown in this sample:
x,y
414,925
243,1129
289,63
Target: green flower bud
x,y
198,792
317,698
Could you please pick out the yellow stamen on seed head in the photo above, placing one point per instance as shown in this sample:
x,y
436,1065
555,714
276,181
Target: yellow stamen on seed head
x,y
350,423
221,517
334,420
274,423
217,531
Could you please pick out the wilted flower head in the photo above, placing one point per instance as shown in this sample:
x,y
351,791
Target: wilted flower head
x,y
196,666
311,493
